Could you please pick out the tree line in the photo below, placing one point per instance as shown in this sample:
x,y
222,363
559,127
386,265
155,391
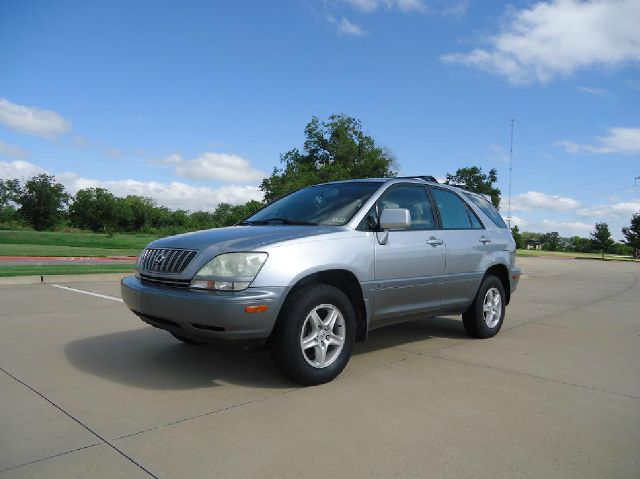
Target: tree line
x,y
599,241
335,149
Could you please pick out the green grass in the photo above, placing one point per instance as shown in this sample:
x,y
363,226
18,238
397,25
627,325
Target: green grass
x,y
46,270
564,254
44,243
52,250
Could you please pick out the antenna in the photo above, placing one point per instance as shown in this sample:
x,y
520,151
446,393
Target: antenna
x,y
510,168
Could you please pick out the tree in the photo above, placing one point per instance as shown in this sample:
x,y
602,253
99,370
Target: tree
x,y
42,202
336,149
134,213
550,241
580,245
474,179
9,190
632,234
94,209
601,238
517,237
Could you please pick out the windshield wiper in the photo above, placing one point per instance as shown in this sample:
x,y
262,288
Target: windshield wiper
x,y
283,221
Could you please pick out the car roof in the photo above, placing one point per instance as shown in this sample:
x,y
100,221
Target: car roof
x,y
396,180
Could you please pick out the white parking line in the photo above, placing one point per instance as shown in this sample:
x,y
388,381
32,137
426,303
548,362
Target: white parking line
x,y
90,293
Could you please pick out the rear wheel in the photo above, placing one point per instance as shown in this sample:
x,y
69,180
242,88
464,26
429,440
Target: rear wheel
x,y
484,317
189,341
313,339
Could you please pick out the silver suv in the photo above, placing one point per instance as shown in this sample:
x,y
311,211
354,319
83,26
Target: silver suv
x,y
315,271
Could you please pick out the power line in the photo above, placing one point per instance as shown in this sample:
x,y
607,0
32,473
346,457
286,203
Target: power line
x,y
604,193
602,180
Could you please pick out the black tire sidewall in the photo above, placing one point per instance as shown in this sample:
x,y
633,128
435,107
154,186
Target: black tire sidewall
x,y
285,342
484,331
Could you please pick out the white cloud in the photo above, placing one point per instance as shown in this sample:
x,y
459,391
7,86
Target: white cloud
x,y
33,120
566,228
455,8
347,28
622,209
601,92
174,194
213,166
535,200
498,153
11,150
516,221
618,140
405,6
18,169
558,37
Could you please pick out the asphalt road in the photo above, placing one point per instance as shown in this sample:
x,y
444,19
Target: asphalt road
x,y
87,390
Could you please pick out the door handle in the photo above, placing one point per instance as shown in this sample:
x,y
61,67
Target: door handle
x,y
433,241
484,240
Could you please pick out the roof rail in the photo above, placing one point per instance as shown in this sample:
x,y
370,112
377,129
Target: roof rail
x,y
429,178
462,186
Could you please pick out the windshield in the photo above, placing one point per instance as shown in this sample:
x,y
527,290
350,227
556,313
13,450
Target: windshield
x,y
331,204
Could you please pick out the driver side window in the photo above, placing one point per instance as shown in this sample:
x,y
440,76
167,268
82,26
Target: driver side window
x,y
413,198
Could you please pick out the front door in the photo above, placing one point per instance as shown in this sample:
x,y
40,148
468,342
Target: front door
x,y
409,268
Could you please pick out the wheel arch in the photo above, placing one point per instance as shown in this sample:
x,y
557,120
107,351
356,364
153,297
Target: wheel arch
x,y
502,273
347,282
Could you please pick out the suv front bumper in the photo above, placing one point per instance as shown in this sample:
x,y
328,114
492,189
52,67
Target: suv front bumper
x,y
208,316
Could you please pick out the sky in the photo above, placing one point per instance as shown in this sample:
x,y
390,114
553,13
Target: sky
x,y
192,103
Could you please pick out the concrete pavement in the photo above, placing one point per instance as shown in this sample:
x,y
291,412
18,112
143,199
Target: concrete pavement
x,y
89,391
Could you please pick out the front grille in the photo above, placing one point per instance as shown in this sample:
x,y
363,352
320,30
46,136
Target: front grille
x,y
166,282
166,260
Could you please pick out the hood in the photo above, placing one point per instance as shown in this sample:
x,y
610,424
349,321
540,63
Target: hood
x,y
241,238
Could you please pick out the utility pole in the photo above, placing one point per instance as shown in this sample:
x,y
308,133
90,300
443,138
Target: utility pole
x,y
510,169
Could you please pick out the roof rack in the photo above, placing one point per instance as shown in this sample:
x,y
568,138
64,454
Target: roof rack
x,y
430,178
462,186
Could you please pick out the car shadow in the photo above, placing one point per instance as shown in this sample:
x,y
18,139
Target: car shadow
x,y
149,358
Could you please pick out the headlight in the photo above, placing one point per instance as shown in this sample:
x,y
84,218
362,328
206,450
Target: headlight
x,y
229,271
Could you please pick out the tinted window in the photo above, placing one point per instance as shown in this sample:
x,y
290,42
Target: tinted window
x,y
453,210
475,222
413,198
330,204
488,209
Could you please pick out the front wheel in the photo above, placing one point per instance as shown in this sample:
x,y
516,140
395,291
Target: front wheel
x,y
313,339
484,317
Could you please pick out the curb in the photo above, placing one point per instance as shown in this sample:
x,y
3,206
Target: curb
x,y
62,278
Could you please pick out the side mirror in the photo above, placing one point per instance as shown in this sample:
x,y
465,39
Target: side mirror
x,y
395,219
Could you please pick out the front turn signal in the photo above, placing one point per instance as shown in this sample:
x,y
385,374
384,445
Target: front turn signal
x,y
256,309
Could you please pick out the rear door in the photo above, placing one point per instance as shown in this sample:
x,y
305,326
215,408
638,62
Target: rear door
x,y
467,244
409,268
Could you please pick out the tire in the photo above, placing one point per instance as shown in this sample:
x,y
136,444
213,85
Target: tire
x,y
476,322
310,366
185,340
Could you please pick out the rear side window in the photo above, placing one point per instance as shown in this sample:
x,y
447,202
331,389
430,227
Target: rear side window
x,y
413,198
454,213
488,209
